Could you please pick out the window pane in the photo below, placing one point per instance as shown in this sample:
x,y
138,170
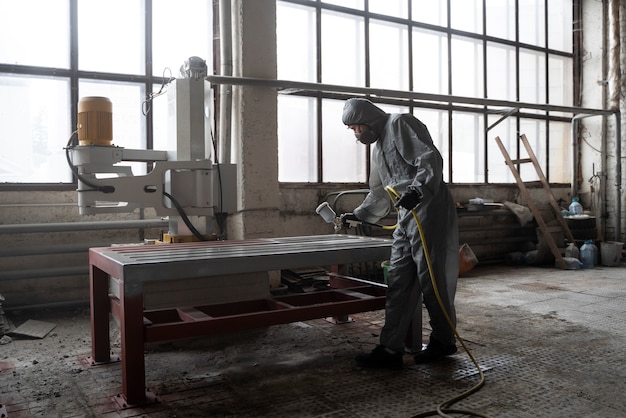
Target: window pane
x,y
110,41
343,52
129,126
389,55
467,67
37,111
434,12
343,158
22,21
560,152
501,18
498,171
467,148
560,80
296,42
535,131
397,8
561,25
297,139
430,62
532,22
532,71
500,72
467,15
437,123
180,30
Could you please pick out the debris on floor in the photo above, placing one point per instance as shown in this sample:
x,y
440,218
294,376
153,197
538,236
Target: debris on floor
x,y
547,340
305,280
5,324
33,328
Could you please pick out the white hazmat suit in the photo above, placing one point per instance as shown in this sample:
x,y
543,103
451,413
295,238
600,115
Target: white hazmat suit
x,y
404,157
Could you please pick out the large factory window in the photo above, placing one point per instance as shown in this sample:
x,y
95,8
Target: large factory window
x,y
510,50
55,52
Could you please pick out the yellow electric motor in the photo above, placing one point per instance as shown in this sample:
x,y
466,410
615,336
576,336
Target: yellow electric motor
x,y
95,121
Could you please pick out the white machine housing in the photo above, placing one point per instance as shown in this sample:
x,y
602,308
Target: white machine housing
x,y
185,171
201,187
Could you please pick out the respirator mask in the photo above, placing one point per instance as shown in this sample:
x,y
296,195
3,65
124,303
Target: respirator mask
x,y
366,137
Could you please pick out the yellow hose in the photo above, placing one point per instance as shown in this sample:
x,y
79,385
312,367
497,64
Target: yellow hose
x,y
444,407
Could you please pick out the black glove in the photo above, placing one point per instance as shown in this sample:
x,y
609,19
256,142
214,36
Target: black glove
x,y
349,219
409,199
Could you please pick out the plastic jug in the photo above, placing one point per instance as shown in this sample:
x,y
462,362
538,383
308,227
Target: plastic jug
x,y
575,208
572,251
589,254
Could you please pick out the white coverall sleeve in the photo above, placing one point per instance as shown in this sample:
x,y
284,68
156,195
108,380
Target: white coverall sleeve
x,y
376,204
426,162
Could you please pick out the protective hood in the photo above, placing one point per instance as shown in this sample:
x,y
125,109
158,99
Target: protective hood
x,y
360,111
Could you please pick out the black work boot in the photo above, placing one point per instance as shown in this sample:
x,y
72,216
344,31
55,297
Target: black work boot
x,y
379,357
434,351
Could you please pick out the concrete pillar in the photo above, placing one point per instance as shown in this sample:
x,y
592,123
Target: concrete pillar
x,y
254,127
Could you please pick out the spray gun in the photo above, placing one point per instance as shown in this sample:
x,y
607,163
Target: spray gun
x,y
329,215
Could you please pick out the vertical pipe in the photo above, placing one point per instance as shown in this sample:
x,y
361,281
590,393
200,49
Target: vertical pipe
x,y
226,90
618,176
614,104
576,151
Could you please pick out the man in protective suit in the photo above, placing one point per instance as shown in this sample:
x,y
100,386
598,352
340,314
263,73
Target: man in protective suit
x,y
405,158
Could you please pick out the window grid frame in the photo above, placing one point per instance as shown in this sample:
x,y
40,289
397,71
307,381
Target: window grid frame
x,y
75,75
484,39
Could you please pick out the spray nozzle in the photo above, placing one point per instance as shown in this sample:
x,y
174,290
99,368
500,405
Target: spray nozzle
x,y
328,214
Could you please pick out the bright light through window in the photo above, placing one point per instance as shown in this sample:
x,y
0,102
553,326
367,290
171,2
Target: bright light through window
x,y
110,41
498,53
41,39
179,31
35,129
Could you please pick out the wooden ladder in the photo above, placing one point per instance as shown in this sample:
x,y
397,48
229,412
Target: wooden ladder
x,y
531,204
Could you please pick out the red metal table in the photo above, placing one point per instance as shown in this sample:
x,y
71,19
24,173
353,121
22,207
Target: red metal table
x,y
118,274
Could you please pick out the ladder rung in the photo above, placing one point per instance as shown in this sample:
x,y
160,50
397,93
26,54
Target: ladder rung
x,y
522,160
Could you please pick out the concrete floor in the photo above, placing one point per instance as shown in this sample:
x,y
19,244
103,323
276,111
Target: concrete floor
x,y
550,343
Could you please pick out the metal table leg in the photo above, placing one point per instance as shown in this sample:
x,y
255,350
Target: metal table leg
x,y
100,308
132,336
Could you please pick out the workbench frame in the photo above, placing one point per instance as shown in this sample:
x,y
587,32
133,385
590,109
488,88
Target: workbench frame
x,y
118,274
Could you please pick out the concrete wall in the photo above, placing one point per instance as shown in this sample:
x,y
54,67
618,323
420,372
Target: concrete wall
x,y
265,208
43,268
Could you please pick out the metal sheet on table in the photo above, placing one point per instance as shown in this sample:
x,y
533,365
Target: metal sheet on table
x,y
185,260
236,249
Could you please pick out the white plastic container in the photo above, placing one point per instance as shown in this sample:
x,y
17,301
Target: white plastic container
x,y
589,255
572,251
575,208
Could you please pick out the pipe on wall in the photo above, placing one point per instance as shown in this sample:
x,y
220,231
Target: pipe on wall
x,y
53,249
618,177
576,150
615,78
82,226
43,273
8,275
226,90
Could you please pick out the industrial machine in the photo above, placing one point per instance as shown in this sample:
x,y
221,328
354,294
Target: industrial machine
x,y
184,180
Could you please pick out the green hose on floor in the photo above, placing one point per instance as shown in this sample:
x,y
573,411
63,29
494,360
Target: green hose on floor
x,y
444,408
